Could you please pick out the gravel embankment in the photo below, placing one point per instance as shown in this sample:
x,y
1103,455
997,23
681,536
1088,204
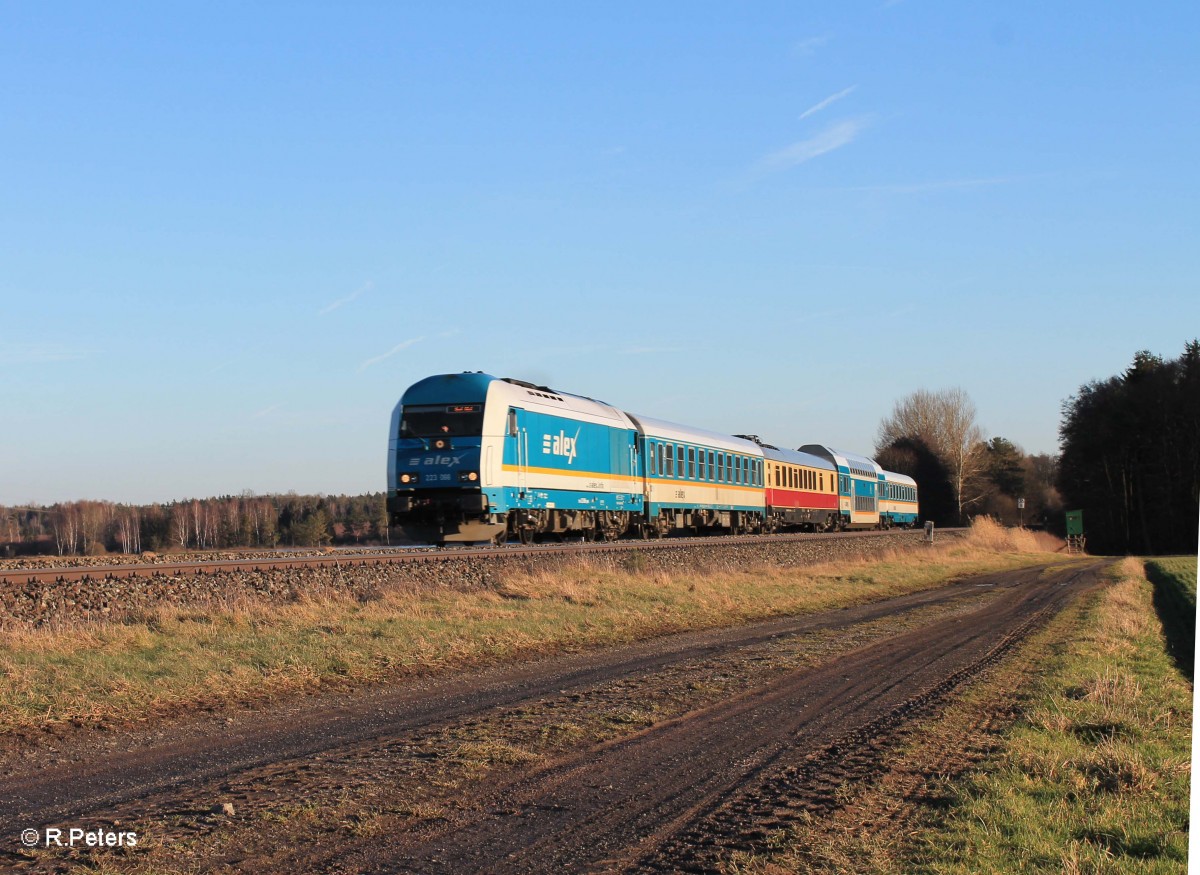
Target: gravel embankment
x,y
51,602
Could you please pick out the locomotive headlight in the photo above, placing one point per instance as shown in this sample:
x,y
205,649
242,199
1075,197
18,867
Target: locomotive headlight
x,y
440,444
409,478
468,476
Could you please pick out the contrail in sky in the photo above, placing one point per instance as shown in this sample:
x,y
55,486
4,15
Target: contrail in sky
x,y
833,98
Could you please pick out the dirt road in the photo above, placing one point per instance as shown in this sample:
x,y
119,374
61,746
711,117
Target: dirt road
x,y
659,756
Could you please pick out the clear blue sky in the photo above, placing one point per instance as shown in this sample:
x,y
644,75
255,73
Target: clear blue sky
x,y
232,234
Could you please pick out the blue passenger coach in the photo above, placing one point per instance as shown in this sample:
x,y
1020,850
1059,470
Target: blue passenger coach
x,y
698,480
898,501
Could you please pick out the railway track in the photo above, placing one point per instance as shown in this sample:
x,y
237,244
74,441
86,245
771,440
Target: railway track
x,y
394,556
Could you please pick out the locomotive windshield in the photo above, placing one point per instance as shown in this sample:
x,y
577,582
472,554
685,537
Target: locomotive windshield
x,y
436,420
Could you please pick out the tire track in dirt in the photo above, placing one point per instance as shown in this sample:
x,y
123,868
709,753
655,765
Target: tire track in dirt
x,y
685,790
747,821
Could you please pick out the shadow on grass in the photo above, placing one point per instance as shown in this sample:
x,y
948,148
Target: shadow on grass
x,y
1176,611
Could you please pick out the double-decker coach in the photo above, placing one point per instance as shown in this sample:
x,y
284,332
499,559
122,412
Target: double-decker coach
x,y
857,486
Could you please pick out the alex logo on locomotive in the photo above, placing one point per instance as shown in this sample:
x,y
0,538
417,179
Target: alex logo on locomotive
x,y
561,445
417,461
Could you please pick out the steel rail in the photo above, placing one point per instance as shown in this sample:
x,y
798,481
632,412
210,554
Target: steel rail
x,y
25,576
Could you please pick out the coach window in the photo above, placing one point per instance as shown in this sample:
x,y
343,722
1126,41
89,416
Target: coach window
x,y
691,462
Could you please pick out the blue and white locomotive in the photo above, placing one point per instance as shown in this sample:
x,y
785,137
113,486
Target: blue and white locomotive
x,y
476,458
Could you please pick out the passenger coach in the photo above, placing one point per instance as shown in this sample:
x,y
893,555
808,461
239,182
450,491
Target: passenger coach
x,y
857,486
801,491
698,480
898,504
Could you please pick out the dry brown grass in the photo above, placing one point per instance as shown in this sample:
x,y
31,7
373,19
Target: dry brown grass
x,y
987,534
168,658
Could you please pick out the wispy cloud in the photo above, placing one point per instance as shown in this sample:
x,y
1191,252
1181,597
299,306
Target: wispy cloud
x,y
833,137
341,302
391,352
37,353
940,185
809,45
265,411
833,98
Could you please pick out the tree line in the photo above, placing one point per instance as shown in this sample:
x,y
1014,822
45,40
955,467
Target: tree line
x,y
246,520
933,437
1131,456
1129,459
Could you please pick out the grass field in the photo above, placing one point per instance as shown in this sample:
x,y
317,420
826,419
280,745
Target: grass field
x,y
1094,776
171,659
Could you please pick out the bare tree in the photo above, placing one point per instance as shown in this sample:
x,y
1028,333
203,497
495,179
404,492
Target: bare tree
x,y
66,528
180,524
129,529
945,422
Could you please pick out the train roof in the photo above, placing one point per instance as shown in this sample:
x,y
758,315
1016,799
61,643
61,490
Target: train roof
x,y
852,462
673,431
478,387
795,457
466,387
893,477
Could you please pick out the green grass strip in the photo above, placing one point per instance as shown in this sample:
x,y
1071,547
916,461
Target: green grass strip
x,y
1095,776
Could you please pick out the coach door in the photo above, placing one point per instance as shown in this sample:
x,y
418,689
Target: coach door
x,y
516,448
